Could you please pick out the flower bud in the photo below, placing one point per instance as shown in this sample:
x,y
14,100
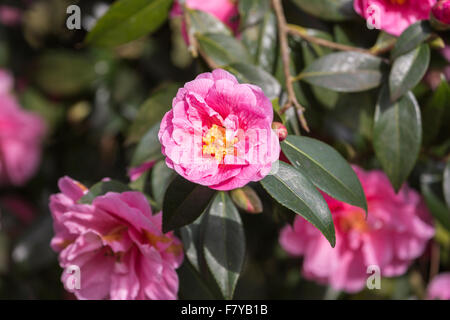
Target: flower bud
x,y
247,199
440,15
280,130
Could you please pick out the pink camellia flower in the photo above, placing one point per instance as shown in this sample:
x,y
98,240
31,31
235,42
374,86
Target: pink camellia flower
x,y
116,243
395,233
136,172
218,133
394,16
439,288
21,134
441,11
10,16
224,10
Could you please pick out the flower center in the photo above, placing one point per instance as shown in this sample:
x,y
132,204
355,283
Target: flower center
x,y
398,2
216,145
354,221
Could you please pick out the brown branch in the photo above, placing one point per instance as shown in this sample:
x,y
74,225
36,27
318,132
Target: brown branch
x,y
326,43
434,260
193,43
282,33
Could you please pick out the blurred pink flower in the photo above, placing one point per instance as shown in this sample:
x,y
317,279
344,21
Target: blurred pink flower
x,y
21,134
224,10
441,11
116,242
395,233
20,207
218,133
10,16
394,15
136,172
439,288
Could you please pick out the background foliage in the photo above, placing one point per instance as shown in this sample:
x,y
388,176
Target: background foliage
x,y
103,94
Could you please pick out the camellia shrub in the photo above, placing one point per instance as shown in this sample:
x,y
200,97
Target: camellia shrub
x,y
247,149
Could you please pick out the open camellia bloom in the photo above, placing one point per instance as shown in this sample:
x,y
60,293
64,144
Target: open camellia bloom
x,y
21,135
218,133
394,234
394,16
439,288
116,243
224,10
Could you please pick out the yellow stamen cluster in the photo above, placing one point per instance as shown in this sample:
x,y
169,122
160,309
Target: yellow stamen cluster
x,y
354,221
216,145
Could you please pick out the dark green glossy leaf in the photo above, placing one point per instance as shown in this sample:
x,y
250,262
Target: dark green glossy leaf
x,y
184,202
345,72
152,111
326,169
408,70
247,73
101,188
127,20
434,111
192,286
397,135
161,178
251,12
411,38
223,49
224,244
262,42
446,184
333,10
148,149
437,208
203,22
295,191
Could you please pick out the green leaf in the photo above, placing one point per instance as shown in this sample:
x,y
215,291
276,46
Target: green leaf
x,y
261,41
333,10
247,73
434,111
408,70
446,184
437,208
128,20
203,22
184,202
64,73
296,192
101,188
345,72
397,135
326,169
223,49
192,286
161,177
224,244
148,149
411,38
251,12
152,111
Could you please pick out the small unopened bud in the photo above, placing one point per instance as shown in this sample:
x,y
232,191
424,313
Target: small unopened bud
x,y
280,130
247,199
440,15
